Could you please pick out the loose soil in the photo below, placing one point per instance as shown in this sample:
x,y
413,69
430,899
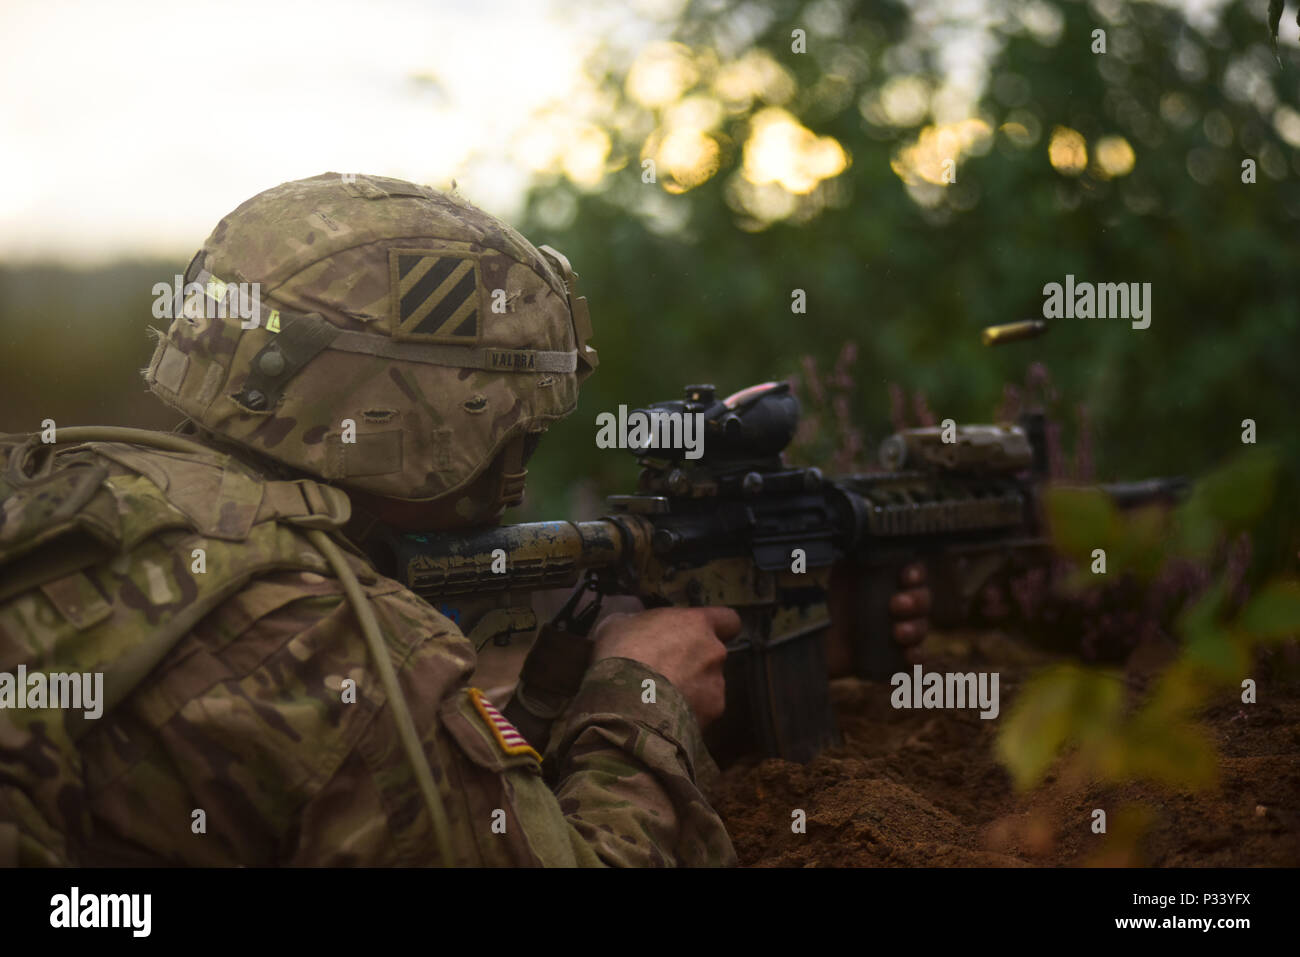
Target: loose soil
x,y
923,788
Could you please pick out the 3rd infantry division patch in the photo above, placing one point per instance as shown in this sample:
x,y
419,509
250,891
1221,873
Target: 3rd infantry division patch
x,y
435,296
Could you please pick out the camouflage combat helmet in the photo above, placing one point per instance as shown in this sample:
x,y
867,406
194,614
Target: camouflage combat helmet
x,y
398,339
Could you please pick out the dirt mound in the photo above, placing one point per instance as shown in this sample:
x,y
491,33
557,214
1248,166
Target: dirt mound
x,y
922,788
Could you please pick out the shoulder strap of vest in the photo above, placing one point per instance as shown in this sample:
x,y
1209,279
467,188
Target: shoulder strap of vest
x,y
241,503
85,528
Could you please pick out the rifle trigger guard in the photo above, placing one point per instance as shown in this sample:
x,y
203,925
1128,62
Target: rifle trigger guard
x,y
580,622
555,666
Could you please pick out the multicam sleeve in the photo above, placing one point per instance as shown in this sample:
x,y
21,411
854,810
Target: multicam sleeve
x,y
628,772
41,791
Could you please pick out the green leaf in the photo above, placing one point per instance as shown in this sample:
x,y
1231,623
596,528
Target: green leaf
x,y
1204,614
1179,691
1230,499
1196,530
1273,613
1143,544
1220,654
1211,645
1239,493
1058,706
1177,753
1081,519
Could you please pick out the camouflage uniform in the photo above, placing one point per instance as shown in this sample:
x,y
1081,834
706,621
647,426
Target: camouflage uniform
x,y
238,684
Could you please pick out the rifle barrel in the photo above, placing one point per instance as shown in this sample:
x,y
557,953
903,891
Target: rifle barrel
x,y
525,557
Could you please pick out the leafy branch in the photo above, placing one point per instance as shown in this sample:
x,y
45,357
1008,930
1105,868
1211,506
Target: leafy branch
x,y
1081,713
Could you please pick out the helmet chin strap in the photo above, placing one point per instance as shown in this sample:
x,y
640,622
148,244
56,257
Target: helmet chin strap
x,y
513,473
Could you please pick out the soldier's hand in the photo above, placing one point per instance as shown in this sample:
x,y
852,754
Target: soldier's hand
x,y
910,606
908,609
685,645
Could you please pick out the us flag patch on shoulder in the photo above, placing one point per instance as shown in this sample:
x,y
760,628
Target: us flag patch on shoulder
x,y
435,296
507,736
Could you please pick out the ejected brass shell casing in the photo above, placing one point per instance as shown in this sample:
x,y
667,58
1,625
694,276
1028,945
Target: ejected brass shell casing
x,y
1012,331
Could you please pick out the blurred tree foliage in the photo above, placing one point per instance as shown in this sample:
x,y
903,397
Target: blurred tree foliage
x,y
1082,715
73,342
1117,167
823,171
858,151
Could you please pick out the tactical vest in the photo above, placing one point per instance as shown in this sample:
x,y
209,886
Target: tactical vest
x,y
111,552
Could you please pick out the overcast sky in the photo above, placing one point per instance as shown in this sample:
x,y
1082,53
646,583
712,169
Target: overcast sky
x,y
130,128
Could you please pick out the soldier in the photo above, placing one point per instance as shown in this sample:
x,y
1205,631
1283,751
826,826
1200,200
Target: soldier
x,y
269,696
